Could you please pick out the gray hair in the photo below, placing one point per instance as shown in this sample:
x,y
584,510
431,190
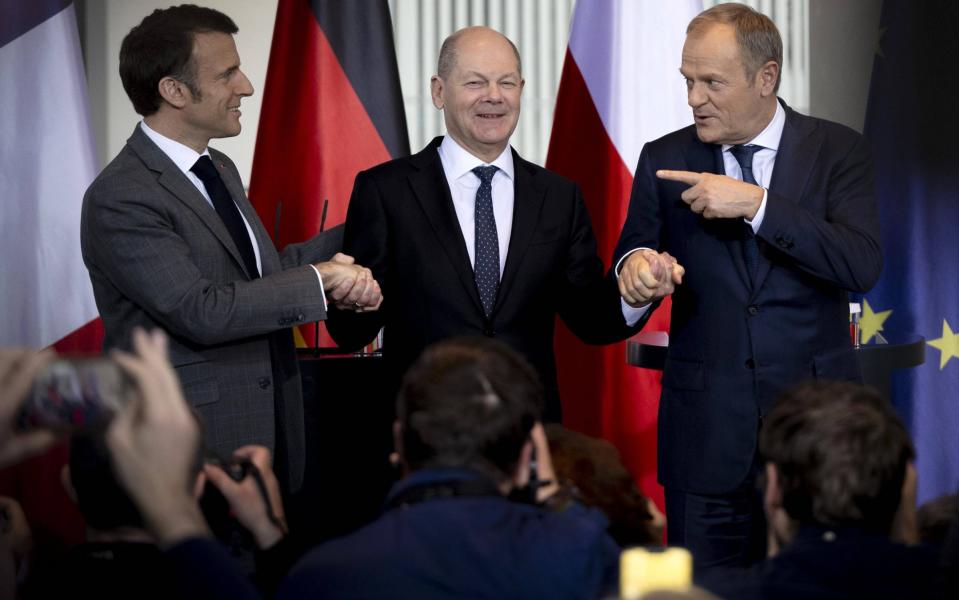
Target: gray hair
x,y
757,35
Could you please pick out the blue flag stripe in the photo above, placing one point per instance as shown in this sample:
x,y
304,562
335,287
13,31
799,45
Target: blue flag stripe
x,y
18,16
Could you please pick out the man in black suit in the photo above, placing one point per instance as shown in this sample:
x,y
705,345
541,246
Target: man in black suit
x,y
840,496
467,238
770,255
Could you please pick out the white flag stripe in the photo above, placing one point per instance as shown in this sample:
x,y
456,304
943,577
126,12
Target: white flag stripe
x,y
629,54
47,158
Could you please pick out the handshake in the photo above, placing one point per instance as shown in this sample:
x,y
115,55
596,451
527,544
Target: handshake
x,y
349,285
647,275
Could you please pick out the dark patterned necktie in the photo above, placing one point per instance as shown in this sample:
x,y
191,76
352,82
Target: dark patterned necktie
x,y
226,208
486,263
744,156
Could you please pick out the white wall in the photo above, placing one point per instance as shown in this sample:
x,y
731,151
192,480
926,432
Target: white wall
x,y
104,25
843,37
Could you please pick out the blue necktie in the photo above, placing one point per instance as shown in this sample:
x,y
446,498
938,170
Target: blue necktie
x,y
744,156
486,263
226,208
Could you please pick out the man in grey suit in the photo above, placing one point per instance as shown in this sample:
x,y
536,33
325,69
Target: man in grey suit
x,y
171,241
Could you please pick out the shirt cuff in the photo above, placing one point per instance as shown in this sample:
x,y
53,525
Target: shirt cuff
x,y
757,221
632,314
625,256
322,289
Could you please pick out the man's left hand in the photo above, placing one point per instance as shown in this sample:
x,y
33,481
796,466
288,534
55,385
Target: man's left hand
x,y
717,196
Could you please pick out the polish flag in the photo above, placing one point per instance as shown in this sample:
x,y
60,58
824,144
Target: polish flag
x,y
620,88
47,159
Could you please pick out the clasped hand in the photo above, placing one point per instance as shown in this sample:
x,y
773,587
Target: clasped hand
x,y
350,286
647,276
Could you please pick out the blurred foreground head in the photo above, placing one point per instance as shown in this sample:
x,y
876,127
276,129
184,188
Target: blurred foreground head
x,y
467,403
837,454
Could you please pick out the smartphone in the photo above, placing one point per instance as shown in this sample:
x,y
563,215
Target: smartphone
x,y
75,393
643,570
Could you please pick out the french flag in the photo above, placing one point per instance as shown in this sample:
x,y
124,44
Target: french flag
x,y
620,88
46,163
47,160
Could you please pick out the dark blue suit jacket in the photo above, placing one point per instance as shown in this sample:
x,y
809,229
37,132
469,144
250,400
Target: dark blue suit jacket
x,y
463,547
735,345
833,564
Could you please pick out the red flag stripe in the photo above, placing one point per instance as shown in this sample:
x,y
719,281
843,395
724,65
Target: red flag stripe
x,y
314,133
85,339
602,395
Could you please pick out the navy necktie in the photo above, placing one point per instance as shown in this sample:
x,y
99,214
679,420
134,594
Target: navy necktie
x,y
744,156
486,260
226,208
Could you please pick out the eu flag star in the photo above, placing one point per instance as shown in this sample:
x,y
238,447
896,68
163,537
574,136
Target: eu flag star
x,y
948,345
870,323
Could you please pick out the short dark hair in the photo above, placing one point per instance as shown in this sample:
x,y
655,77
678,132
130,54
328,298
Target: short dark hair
x,y
162,45
469,403
758,37
840,452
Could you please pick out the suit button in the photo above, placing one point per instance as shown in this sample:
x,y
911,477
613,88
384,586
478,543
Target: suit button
x,y
784,243
488,332
750,364
300,317
263,382
753,310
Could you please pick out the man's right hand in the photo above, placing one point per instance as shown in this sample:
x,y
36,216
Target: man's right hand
x,y
348,285
246,500
154,442
647,276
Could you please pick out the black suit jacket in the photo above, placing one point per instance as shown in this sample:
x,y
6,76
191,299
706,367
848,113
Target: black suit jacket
x,y
402,225
735,344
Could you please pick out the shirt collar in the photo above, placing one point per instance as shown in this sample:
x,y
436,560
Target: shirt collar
x,y
182,156
460,162
772,134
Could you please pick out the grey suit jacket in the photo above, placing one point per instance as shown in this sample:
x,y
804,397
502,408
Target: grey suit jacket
x,y
159,256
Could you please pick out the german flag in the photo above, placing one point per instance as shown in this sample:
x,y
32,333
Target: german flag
x,y
332,107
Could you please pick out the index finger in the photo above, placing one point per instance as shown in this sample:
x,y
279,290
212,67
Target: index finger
x,y
687,177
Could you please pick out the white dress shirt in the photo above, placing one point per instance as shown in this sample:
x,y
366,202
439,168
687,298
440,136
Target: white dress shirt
x,y
184,158
458,165
763,162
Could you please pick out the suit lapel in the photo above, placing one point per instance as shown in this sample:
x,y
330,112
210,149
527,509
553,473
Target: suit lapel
x,y
432,192
527,204
709,158
175,182
798,151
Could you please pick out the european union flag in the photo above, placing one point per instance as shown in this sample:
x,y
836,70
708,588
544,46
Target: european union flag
x,y
913,126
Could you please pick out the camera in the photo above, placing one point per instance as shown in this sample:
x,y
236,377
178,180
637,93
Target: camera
x,y
75,393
